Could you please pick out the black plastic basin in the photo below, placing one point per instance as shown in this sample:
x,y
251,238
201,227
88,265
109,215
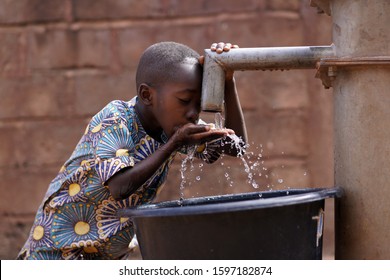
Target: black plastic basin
x,y
260,225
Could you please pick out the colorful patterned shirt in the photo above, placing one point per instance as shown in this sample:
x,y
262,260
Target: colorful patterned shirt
x,y
78,217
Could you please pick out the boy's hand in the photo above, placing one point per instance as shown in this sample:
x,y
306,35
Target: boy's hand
x,y
222,47
219,48
191,134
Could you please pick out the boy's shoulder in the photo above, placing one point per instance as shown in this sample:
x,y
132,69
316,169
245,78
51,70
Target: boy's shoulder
x,y
118,107
121,104
115,111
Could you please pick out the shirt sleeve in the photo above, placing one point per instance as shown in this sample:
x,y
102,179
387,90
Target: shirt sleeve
x,y
114,148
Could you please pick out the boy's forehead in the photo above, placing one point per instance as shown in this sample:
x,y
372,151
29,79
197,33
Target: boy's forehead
x,y
188,71
185,77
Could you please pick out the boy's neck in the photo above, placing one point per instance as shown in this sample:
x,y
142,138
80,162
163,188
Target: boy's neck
x,y
148,122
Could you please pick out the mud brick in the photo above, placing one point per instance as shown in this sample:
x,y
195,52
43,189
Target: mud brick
x,y
119,9
264,91
63,48
26,11
10,153
14,230
200,35
289,5
35,182
205,7
264,30
40,95
53,48
39,143
9,53
93,92
115,9
284,90
130,53
279,135
93,48
196,35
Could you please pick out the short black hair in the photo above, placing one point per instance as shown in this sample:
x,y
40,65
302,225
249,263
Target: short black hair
x,y
159,62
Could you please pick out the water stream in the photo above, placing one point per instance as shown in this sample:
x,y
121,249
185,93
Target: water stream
x,y
235,142
252,162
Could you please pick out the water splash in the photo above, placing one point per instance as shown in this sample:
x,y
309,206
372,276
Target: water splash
x,y
183,168
253,163
240,146
219,121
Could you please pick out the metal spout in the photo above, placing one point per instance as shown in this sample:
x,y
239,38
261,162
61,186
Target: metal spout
x,y
271,58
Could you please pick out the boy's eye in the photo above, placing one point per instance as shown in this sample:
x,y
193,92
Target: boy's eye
x,y
184,101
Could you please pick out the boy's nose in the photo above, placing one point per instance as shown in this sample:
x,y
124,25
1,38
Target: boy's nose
x,y
192,115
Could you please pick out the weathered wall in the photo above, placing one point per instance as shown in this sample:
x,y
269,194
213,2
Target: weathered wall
x,y
61,61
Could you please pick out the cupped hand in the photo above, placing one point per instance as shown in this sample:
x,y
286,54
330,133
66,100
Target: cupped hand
x,y
191,134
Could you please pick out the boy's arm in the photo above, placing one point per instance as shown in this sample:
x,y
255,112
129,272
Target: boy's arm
x,y
125,182
234,117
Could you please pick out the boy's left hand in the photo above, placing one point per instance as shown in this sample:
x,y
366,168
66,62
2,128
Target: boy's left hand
x,y
220,48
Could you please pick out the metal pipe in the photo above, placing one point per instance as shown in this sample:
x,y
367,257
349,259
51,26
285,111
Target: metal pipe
x,y
271,58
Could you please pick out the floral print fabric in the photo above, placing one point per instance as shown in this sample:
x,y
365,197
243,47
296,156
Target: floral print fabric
x,y
78,217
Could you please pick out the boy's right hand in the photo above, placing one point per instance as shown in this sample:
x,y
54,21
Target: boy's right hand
x,y
194,134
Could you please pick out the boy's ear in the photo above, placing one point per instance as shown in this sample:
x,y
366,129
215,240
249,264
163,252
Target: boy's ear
x,y
145,93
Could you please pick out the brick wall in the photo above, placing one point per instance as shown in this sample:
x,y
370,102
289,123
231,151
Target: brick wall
x,y
61,61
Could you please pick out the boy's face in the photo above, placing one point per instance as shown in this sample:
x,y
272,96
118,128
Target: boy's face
x,y
178,103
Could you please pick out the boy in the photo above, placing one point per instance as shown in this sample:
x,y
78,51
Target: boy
x,y
124,156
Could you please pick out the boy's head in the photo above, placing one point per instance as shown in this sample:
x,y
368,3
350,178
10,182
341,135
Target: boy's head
x,y
169,81
160,62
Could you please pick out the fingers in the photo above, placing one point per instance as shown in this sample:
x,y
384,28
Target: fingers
x,y
190,134
195,129
213,47
209,135
229,131
227,47
222,47
212,134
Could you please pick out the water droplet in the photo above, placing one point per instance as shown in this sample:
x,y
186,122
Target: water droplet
x,y
280,181
197,178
